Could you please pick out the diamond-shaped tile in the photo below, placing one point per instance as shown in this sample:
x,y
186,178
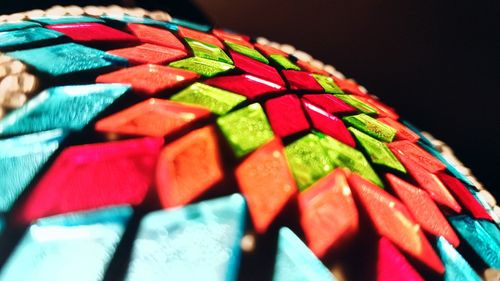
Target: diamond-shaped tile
x,y
149,79
246,129
152,117
371,127
225,35
266,182
197,242
392,265
328,84
205,67
307,160
200,36
247,51
378,151
283,62
81,105
156,36
95,34
11,25
248,85
294,261
457,268
328,123
214,99
21,159
149,54
301,80
122,173
417,154
328,214
75,246
329,103
342,155
28,37
188,167
361,106
256,68
286,115
69,58
208,51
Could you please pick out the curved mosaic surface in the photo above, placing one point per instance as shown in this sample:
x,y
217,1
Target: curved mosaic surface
x,y
164,149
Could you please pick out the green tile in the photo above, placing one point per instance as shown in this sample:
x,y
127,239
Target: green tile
x,y
371,127
208,51
216,100
205,67
378,151
308,160
246,129
328,84
358,104
342,155
284,62
249,52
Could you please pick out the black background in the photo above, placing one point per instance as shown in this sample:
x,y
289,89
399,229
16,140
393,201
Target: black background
x,y
436,62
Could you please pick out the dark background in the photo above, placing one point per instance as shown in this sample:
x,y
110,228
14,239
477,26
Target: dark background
x,y
436,62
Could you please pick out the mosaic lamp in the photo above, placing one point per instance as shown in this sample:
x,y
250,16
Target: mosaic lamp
x,y
139,146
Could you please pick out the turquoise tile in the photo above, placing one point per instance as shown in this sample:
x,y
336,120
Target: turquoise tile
x,y
65,19
192,25
66,107
295,262
20,160
141,20
478,238
456,267
196,242
33,36
77,246
69,58
8,26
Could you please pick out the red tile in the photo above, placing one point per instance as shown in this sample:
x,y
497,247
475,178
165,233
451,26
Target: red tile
x,y
464,196
248,85
392,265
149,53
330,103
328,214
152,117
233,37
311,68
188,167
348,86
417,154
120,173
268,50
392,220
423,209
95,34
431,183
301,80
328,124
403,133
149,79
155,35
265,180
200,36
256,68
286,115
